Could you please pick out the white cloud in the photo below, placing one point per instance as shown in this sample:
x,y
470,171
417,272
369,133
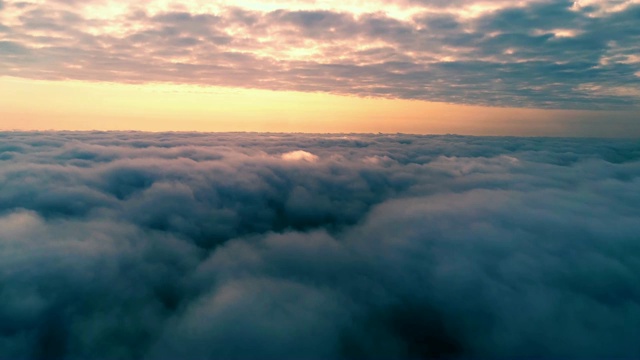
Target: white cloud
x,y
299,155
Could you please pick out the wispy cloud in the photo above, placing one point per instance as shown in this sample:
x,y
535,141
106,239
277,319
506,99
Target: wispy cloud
x,y
548,54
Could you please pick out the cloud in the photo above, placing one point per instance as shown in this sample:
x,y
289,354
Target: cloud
x,y
299,155
180,245
544,54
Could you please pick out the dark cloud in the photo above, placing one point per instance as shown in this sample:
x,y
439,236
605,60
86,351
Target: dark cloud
x,y
545,54
10,48
194,246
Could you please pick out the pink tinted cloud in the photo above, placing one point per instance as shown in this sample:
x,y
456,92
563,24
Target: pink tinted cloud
x,y
505,53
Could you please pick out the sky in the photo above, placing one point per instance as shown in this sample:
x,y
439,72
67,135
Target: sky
x,y
529,67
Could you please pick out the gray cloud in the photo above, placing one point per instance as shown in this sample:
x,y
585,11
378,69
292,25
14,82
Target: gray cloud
x,y
548,54
179,245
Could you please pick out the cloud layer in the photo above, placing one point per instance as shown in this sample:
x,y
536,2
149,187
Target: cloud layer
x,y
194,246
534,53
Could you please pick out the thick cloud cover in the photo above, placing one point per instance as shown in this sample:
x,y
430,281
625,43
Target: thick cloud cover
x,y
199,246
531,53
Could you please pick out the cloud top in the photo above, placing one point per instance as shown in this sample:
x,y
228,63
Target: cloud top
x,y
299,155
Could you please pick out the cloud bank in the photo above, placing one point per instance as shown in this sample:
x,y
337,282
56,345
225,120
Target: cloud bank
x,y
198,246
533,53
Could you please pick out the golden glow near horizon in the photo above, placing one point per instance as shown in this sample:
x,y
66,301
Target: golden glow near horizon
x,y
76,105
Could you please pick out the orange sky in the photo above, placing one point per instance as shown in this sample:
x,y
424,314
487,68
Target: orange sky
x,y
75,105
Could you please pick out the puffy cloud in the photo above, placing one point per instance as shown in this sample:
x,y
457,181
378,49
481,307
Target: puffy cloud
x,y
299,155
137,245
548,54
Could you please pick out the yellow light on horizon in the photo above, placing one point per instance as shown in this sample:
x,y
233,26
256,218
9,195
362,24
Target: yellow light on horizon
x,y
76,105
